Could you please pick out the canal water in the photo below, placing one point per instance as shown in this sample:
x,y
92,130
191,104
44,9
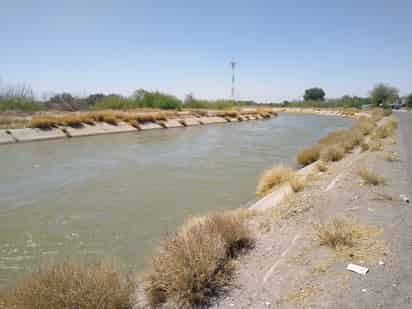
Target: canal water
x,y
117,195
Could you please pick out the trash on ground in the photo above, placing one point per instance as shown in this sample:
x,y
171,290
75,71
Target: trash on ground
x,y
352,208
357,269
404,198
381,263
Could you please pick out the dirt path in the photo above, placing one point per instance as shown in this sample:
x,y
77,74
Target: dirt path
x,y
289,269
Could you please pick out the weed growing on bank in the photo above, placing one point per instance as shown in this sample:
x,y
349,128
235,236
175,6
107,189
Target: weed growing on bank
x,y
336,233
277,175
195,264
322,166
71,284
297,183
309,154
332,153
369,177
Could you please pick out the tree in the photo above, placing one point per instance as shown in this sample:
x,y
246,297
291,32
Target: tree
x,y
314,94
384,94
408,101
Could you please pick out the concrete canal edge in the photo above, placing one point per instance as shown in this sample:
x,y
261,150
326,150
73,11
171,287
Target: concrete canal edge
x,y
6,138
9,136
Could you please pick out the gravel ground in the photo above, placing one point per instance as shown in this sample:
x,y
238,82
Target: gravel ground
x,y
289,269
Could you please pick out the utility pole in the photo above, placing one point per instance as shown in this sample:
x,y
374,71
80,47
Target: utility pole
x,y
233,65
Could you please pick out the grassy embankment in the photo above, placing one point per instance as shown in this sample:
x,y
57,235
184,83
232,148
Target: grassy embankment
x,y
196,263
331,148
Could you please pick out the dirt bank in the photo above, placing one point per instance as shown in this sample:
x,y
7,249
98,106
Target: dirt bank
x,y
289,268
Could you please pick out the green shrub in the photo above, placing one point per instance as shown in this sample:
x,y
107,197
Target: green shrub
x,y
20,104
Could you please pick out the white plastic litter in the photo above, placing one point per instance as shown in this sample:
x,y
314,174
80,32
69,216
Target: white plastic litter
x,y
357,269
404,198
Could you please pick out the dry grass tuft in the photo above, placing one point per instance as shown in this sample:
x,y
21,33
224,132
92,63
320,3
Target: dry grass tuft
x,y
195,264
297,183
365,125
364,147
43,122
322,166
336,233
375,145
69,285
391,156
9,122
351,239
369,177
332,153
275,176
309,154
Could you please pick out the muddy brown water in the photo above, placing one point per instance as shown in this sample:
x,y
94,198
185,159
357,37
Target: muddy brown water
x,y
116,195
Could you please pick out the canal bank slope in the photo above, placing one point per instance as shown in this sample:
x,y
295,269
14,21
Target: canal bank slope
x,y
290,268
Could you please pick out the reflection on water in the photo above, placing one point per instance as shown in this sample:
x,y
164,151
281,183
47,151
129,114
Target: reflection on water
x,y
116,195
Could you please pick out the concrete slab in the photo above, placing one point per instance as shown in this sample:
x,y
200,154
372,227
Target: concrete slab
x,y
210,120
251,117
35,134
121,127
192,121
6,138
259,117
244,118
232,119
172,123
148,126
273,199
86,130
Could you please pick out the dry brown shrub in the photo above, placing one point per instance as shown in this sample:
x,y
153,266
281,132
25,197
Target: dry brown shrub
x,y
364,147
391,156
271,178
71,284
375,145
351,239
322,166
297,183
194,265
332,153
369,177
309,154
336,233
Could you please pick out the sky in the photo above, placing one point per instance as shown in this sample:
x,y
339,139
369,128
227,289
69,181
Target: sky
x,y
180,47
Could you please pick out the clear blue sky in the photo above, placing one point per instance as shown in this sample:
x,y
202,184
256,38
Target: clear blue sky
x,y
282,47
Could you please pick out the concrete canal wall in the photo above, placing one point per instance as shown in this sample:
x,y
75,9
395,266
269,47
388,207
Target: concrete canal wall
x,y
35,134
6,138
98,128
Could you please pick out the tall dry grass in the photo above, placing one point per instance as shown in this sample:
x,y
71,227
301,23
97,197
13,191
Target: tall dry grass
x,y
194,265
113,117
369,177
277,175
71,284
309,154
297,183
332,144
335,233
332,153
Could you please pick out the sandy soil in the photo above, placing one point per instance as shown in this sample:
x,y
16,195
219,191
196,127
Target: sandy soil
x,y
289,269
